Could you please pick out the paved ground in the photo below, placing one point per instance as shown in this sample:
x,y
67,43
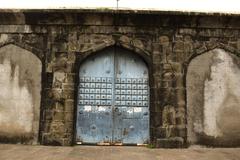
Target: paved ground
x,y
25,152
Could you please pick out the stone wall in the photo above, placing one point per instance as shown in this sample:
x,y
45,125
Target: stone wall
x,y
167,41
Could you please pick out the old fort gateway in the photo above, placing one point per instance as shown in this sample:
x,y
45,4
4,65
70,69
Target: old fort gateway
x,y
107,77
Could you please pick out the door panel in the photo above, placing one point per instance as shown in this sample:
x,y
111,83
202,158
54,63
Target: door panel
x,y
95,92
94,124
101,65
131,75
113,102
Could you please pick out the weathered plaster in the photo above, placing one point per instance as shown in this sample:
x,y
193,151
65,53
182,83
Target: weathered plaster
x,y
212,97
20,84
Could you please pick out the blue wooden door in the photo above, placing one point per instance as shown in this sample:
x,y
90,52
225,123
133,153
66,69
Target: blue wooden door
x,y
113,99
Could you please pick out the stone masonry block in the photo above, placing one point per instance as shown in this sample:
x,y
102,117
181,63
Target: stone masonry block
x,y
177,142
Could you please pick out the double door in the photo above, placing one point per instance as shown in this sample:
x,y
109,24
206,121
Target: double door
x,y
113,99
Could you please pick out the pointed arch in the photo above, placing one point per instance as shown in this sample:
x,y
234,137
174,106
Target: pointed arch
x,y
20,97
37,52
128,45
141,58
211,96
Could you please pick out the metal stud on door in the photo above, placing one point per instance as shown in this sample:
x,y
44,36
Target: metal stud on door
x,y
113,100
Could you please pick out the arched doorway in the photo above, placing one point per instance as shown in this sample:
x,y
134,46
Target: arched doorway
x,y
20,96
213,103
113,99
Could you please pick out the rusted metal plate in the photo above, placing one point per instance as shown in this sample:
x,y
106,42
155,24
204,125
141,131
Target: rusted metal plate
x,y
113,99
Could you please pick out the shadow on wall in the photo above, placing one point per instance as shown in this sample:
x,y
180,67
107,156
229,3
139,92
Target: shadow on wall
x,y
20,84
213,102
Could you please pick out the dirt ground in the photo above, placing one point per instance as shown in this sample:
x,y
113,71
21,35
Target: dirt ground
x,y
28,152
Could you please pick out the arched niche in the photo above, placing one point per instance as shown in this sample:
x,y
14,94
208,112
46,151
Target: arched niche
x,y
213,101
20,85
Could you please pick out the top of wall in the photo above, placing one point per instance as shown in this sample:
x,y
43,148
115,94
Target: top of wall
x,y
110,17
120,11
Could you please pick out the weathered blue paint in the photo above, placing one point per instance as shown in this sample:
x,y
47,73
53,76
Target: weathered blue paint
x,y
113,99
